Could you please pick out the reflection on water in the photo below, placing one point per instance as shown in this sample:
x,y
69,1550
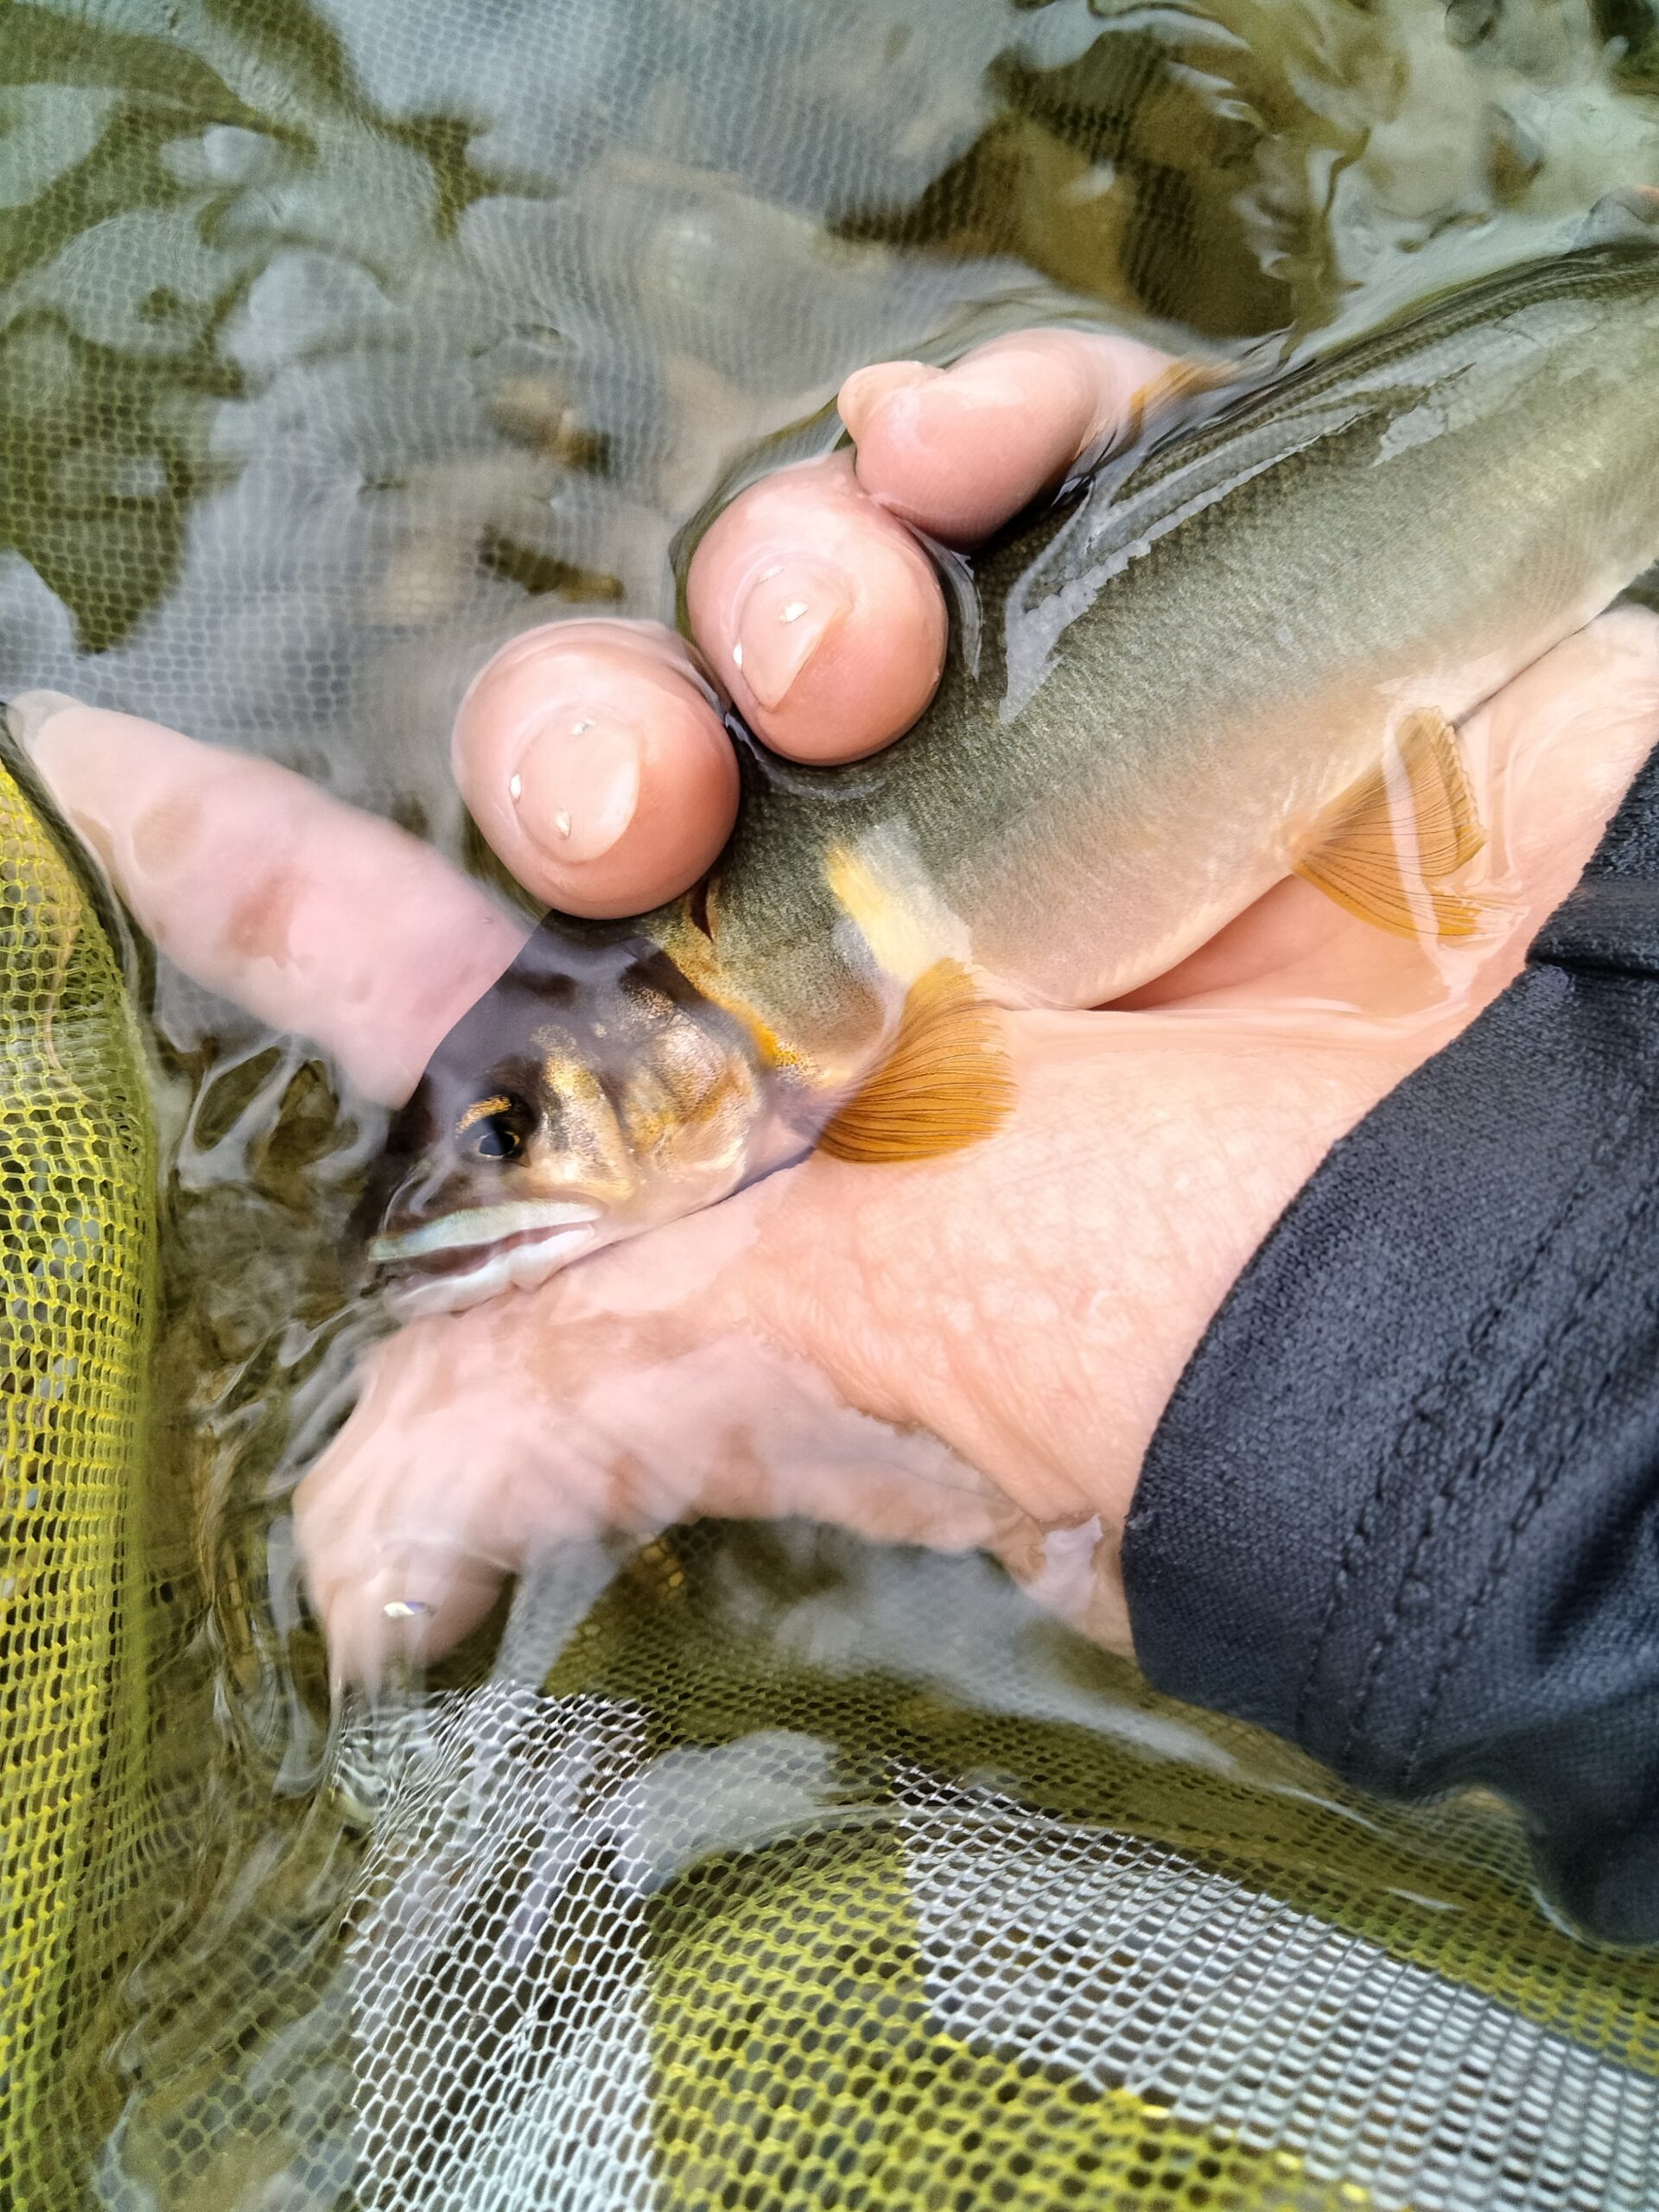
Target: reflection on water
x,y
334,349
338,345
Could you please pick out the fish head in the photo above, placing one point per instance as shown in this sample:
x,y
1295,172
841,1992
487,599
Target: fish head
x,y
592,1092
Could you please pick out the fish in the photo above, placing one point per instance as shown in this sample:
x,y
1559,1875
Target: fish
x,y
1239,653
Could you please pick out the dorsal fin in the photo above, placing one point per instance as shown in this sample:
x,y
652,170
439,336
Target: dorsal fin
x,y
1182,379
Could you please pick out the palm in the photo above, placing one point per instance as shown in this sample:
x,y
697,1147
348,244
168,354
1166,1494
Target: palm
x,y
972,1351
977,1349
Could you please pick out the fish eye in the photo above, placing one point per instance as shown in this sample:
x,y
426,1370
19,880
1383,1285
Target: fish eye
x,y
494,1128
495,1139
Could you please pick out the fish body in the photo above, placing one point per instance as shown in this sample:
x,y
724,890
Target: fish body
x,y
1174,677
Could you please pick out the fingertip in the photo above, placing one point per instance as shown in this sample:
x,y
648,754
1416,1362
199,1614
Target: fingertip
x,y
871,660
400,1615
956,454
820,614
27,715
863,392
595,763
74,749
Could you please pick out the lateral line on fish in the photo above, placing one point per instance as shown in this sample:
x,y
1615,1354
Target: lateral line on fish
x,y
1033,642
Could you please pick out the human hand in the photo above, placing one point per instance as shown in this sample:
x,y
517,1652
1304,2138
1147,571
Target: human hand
x,y
974,1350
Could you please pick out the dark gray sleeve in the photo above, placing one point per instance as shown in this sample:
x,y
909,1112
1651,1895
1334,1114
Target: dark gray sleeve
x,y
1403,1508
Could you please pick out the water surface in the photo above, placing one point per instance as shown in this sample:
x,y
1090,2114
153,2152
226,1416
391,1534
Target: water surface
x,y
338,345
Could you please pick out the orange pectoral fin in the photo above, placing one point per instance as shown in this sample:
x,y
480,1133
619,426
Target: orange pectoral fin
x,y
945,1084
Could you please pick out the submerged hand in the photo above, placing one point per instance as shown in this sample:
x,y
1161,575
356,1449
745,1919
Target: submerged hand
x,y
976,1350
591,753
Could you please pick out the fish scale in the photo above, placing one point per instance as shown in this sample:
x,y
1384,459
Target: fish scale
x,y
1182,668
1238,653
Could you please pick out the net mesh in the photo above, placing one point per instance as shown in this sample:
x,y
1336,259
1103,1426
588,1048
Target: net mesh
x,y
76,1228
761,1869
711,1918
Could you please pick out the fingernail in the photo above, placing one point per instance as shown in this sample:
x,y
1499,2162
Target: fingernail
x,y
866,388
577,787
989,379
783,619
29,712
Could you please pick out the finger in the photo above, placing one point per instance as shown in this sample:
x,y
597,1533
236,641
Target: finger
x,y
407,1604
314,915
405,1543
594,760
818,612
480,1444
957,451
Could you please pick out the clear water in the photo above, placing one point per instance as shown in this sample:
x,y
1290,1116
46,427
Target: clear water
x,y
339,344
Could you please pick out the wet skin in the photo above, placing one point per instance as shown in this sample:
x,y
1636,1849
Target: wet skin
x,y
971,1351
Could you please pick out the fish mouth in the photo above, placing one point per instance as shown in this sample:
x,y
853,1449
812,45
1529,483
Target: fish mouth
x,y
473,1225
458,1260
